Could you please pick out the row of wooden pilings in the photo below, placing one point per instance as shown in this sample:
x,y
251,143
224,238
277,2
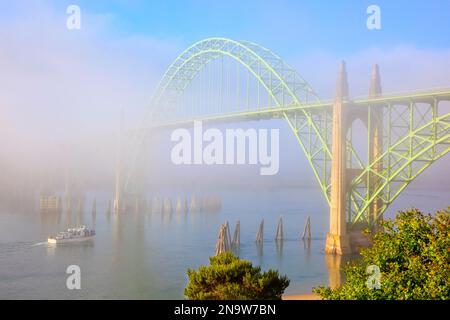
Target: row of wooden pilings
x,y
75,208
162,205
226,243
165,205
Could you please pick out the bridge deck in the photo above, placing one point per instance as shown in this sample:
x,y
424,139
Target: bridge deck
x,y
278,112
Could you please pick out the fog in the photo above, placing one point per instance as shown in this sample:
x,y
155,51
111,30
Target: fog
x,y
62,92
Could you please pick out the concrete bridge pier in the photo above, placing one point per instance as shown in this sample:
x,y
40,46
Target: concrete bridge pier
x,y
338,241
375,133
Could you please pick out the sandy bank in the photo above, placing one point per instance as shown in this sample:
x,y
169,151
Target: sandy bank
x,y
311,296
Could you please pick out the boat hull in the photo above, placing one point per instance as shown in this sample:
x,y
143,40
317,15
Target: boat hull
x,y
70,240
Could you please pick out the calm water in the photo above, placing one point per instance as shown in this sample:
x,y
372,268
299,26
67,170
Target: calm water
x,y
145,255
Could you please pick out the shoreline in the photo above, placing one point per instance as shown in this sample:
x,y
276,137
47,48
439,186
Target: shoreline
x,y
306,296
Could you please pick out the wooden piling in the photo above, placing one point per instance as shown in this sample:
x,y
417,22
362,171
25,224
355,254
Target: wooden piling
x,y
79,212
307,230
280,233
168,206
161,205
260,234
179,206
186,205
228,233
237,235
193,206
94,212
222,244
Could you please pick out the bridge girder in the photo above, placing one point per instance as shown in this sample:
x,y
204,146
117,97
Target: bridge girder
x,y
283,84
403,156
415,136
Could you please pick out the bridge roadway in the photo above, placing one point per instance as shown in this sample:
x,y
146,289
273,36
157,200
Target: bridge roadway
x,y
278,112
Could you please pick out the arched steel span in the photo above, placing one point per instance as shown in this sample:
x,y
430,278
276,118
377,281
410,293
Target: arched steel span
x,y
402,158
284,85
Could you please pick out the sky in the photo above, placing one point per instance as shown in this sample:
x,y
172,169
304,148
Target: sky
x,y
61,89
289,26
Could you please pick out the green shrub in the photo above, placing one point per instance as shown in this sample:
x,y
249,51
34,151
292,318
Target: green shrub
x,y
413,254
230,278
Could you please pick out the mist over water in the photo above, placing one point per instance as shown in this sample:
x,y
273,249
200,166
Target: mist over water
x,y
145,255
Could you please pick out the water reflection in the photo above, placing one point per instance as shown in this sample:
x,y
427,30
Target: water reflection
x,y
260,252
279,246
307,248
144,252
140,247
69,247
335,266
333,263
50,218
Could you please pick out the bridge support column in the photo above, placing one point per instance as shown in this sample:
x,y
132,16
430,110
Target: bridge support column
x,y
117,203
375,129
338,241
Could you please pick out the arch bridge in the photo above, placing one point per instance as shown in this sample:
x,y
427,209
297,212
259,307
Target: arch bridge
x,y
222,80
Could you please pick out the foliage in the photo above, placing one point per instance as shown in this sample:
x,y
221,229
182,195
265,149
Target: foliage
x,y
230,278
413,254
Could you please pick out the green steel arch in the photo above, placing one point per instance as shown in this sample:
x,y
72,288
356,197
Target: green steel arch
x,y
280,81
285,87
404,158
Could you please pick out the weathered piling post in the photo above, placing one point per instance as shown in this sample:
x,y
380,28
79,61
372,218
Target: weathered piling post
x,y
186,205
109,209
237,235
222,243
69,203
200,204
161,205
228,233
280,233
69,207
69,210
118,205
168,206
227,236
193,206
79,212
260,234
307,231
94,211
179,206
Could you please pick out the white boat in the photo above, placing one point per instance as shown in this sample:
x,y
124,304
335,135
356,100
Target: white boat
x,y
79,234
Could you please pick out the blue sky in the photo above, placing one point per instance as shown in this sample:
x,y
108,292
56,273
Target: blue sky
x,y
284,26
288,26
